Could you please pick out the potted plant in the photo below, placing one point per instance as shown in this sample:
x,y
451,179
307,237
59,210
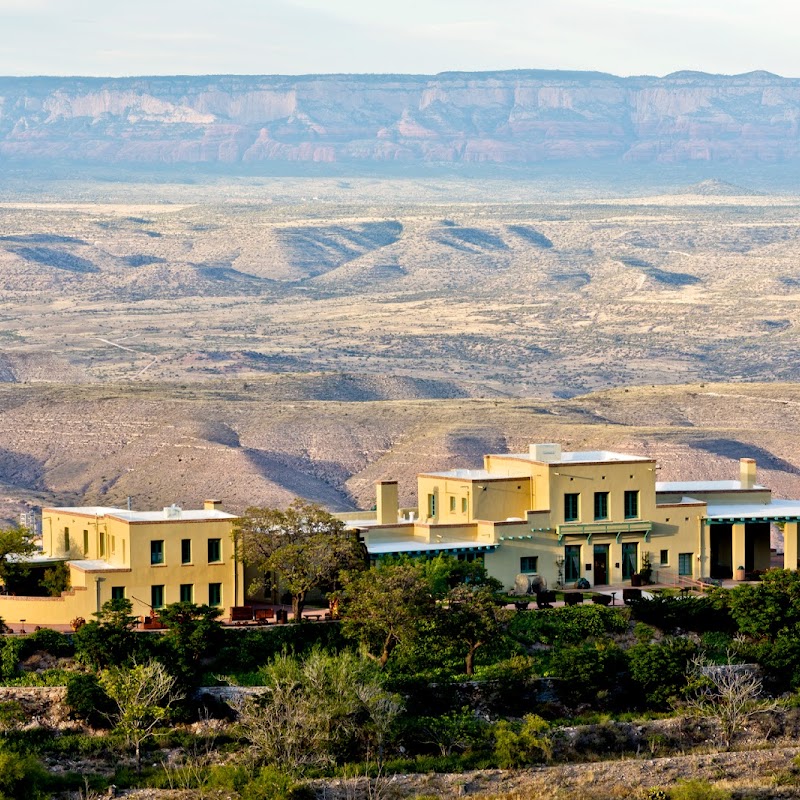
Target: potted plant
x,y
636,579
740,573
646,571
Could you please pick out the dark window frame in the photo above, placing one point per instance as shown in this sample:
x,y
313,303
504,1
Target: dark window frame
x,y
572,506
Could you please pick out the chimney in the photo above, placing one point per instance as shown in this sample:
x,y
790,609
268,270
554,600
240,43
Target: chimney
x,y
386,502
747,473
212,505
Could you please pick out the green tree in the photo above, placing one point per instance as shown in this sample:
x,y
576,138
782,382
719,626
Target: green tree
x,y
770,607
16,543
472,616
193,631
143,695
659,670
110,639
383,607
317,711
445,572
304,547
22,777
55,579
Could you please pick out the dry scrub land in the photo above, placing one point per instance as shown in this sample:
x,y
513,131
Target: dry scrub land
x,y
479,290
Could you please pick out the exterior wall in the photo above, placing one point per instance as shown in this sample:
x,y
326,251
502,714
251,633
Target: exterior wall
x,y
77,602
755,496
460,500
172,573
125,549
82,529
614,478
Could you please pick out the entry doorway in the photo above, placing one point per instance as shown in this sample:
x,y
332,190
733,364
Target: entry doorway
x,y
600,564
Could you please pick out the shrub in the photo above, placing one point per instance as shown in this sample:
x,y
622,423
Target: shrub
x,y
568,625
53,642
588,670
86,699
22,777
700,614
10,656
11,715
697,790
660,669
518,746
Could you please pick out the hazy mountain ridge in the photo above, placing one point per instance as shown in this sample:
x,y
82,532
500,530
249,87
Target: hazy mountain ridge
x,y
499,117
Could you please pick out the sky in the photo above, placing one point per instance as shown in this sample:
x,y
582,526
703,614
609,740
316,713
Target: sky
x,y
167,37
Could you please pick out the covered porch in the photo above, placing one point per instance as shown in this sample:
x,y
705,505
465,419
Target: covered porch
x,y
739,536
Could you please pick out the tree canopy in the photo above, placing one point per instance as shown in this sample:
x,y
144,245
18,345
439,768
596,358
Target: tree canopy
x,y
15,541
304,547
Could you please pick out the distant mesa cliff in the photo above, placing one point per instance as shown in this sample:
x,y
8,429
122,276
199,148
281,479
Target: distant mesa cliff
x,y
502,117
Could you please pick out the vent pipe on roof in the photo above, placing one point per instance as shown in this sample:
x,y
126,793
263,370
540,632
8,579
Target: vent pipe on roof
x,y
173,511
747,473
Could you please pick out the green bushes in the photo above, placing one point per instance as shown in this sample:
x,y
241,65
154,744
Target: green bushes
x,y
22,777
659,670
708,613
588,671
86,699
521,745
568,625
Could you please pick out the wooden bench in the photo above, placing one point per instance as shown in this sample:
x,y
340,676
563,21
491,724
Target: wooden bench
x,y
241,613
318,617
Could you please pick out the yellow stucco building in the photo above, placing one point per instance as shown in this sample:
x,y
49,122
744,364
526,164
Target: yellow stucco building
x,y
595,516
152,558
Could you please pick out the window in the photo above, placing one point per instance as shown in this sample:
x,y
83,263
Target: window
x,y
452,504
528,563
113,545
685,564
664,557
117,592
123,550
157,596
215,594
572,562
66,540
157,551
571,507
463,505
431,505
86,543
214,550
102,545
186,551
601,505
630,559
631,504
187,593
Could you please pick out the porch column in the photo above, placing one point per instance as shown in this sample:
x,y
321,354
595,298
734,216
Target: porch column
x,y
737,546
790,545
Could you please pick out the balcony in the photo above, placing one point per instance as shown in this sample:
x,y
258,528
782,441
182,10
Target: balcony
x,y
617,529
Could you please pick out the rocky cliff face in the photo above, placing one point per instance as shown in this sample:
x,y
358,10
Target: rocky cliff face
x,y
504,117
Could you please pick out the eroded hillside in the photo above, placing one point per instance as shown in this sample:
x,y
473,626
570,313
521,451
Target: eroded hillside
x,y
263,442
